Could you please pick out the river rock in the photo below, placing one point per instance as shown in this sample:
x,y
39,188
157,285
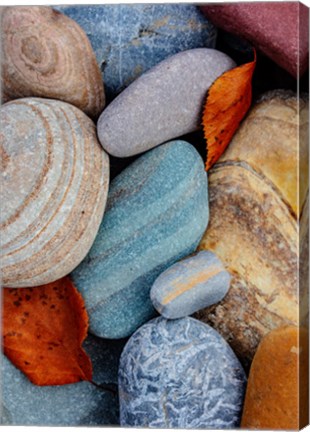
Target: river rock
x,y
189,285
47,54
180,374
277,392
76,404
55,180
162,104
280,30
258,191
130,39
156,214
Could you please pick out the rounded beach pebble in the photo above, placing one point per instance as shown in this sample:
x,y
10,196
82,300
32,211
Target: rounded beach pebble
x,y
189,285
46,54
277,392
180,374
76,404
157,212
55,179
164,103
130,39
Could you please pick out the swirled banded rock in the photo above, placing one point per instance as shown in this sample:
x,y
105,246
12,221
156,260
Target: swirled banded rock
x,y
46,54
180,374
190,285
55,179
254,217
156,214
163,103
130,39
76,404
277,392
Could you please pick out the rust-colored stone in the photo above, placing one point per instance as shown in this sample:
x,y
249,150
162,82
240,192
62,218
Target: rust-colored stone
x,y
276,396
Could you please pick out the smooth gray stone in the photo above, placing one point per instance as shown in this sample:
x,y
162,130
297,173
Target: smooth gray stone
x,y
180,374
164,103
156,214
190,285
130,39
69,405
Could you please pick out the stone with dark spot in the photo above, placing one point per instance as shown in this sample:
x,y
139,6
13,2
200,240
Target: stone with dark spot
x,y
76,404
130,39
180,374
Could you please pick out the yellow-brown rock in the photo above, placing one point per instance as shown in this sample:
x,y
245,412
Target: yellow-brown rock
x,y
46,54
276,396
54,186
254,221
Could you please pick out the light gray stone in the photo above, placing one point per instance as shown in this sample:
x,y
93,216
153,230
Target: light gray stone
x,y
164,103
190,285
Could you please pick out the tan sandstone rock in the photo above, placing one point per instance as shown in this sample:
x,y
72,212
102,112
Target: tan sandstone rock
x,y
253,228
54,179
44,53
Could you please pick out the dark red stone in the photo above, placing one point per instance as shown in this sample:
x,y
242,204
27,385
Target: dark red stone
x,y
278,29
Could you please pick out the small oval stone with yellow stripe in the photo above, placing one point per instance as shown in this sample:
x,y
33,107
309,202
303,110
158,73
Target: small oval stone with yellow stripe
x,y
190,285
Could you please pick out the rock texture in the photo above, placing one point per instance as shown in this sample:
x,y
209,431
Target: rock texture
x,y
280,30
156,214
80,404
164,103
55,179
253,226
180,374
130,39
277,394
46,54
189,285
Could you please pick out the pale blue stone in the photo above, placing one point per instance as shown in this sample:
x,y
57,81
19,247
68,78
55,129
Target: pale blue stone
x,y
156,214
83,403
180,374
130,39
190,285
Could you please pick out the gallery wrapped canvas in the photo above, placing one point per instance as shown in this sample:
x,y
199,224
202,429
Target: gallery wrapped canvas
x,y
155,215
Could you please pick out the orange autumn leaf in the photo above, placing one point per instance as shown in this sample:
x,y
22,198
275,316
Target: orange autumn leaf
x,y
43,329
227,102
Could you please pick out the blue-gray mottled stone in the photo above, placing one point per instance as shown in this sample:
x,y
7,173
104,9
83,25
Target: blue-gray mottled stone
x,y
180,374
156,213
164,103
24,403
190,285
130,39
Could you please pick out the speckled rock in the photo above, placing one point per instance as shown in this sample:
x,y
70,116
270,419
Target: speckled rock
x,y
156,213
164,103
130,39
46,54
277,393
180,374
189,285
82,403
55,178
280,30
258,191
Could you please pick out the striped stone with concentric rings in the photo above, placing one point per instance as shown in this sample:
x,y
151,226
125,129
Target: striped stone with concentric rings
x,y
46,54
55,179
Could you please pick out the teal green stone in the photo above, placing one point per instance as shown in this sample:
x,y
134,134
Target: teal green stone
x,y
156,214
